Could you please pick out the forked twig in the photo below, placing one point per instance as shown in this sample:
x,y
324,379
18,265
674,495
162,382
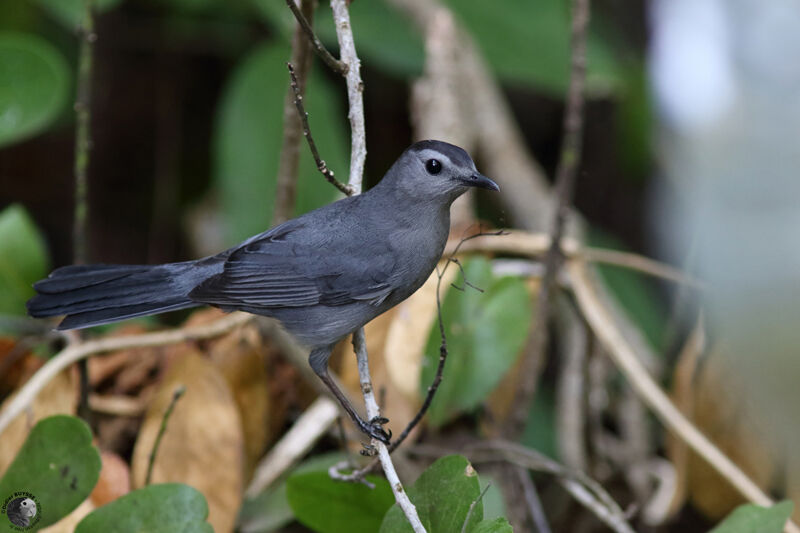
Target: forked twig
x,y
334,64
321,165
566,174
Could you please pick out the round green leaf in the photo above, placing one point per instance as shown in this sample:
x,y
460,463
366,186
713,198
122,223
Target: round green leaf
x,y
442,495
162,508
485,333
248,142
57,466
34,87
23,259
329,506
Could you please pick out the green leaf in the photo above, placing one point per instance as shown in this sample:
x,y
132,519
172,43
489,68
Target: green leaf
x,y
70,12
34,88
162,508
248,142
23,259
485,333
442,495
57,466
538,33
634,292
498,525
329,506
751,518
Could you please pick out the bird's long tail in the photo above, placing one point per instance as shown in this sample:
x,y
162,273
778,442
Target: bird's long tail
x,y
91,295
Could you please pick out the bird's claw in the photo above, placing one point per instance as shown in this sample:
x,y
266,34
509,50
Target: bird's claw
x,y
374,428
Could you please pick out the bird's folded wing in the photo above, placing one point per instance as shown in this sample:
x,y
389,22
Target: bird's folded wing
x,y
288,274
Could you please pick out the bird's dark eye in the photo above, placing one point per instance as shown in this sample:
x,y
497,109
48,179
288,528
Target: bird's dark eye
x,y
433,166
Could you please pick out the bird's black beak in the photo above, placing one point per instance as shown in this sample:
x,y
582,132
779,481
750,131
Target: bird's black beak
x,y
479,180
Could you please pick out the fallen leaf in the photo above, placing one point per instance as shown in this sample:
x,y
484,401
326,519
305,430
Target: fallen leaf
x,y
241,356
712,397
203,445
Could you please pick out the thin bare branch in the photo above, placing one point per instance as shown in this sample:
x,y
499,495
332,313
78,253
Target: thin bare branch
x,y
289,164
532,500
358,154
82,134
334,64
537,244
355,89
83,116
321,165
566,173
151,460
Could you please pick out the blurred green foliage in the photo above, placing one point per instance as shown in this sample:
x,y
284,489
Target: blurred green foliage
x,y
23,259
34,87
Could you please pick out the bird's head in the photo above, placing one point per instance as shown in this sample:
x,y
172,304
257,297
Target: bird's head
x,y
437,170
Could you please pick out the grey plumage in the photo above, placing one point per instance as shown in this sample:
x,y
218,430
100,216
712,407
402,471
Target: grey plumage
x,y
323,274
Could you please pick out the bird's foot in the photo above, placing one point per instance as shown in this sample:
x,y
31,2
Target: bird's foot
x,y
374,428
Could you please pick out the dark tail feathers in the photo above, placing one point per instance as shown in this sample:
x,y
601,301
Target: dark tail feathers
x,y
91,295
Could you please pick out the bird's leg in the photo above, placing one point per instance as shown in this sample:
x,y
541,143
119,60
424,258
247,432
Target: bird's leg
x,y
318,359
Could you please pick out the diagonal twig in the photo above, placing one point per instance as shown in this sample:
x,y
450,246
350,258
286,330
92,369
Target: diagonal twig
x,y
566,173
334,64
321,165
289,163
151,460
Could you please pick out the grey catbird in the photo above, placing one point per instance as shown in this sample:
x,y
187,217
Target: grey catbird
x,y
323,274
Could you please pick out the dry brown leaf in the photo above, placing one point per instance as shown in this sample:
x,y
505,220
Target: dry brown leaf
x,y
71,521
114,480
715,399
241,357
203,445
60,396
